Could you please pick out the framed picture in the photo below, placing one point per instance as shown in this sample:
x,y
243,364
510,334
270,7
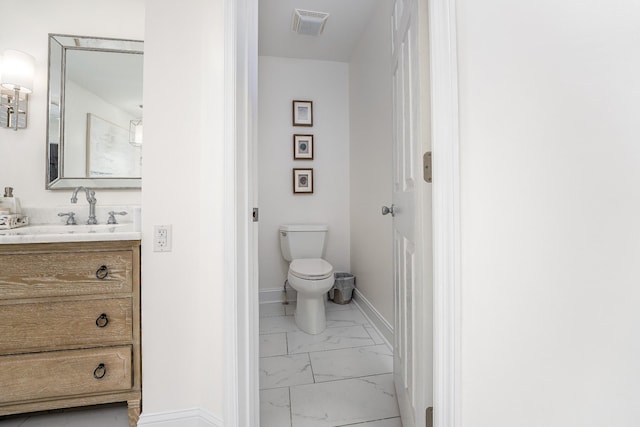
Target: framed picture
x,y
303,147
302,113
303,180
109,153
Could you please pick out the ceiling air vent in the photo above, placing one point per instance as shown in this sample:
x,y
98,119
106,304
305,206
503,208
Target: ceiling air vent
x,y
308,22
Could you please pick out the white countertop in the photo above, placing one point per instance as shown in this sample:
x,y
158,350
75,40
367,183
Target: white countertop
x,y
47,233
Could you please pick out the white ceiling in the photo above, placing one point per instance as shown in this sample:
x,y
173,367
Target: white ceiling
x,y
346,23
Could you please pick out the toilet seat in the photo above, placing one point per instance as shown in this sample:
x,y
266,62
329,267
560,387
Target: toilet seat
x,y
311,269
311,278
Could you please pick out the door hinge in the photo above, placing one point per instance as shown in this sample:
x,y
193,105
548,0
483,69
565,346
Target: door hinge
x,y
255,215
429,417
426,166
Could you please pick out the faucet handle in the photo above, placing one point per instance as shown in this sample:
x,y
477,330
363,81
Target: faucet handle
x,y
71,220
112,218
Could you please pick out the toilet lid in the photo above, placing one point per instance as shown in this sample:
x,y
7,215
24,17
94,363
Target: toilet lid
x,y
311,268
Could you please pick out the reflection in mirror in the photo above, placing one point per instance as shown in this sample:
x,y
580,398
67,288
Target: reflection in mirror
x,y
95,112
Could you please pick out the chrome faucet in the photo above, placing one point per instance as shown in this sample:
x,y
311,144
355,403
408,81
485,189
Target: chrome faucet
x,y
91,198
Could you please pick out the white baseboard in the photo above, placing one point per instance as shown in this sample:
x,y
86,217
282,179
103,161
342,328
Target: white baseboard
x,y
196,417
275,295
374,316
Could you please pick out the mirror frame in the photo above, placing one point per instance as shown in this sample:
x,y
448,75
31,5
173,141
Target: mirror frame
x,y
61,43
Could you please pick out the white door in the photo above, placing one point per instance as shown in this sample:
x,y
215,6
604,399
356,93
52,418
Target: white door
x,y
411,222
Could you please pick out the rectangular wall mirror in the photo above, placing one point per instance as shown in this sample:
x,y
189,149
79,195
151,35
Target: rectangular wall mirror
x,y
94,126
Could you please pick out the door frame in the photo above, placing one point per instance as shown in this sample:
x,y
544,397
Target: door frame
x,y
242,405
447,387
241,364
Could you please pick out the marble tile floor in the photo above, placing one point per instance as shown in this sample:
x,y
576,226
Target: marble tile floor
x,y
341,377
94,416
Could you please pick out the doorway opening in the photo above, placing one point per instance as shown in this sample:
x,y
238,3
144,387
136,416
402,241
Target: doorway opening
x,y
242,404
351,87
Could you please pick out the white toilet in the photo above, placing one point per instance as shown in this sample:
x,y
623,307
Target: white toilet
x,y
310,275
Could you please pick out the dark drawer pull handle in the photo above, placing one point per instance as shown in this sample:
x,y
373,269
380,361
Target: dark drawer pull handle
x,y
100,372
102,272
102,321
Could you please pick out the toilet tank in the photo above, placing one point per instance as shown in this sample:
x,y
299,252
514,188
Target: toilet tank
x,y
299,241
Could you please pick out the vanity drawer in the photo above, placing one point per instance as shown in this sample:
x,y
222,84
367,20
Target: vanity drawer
x,y
65,373
28,275
53,325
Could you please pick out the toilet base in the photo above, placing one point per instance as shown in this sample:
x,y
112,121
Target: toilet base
x,y
310,316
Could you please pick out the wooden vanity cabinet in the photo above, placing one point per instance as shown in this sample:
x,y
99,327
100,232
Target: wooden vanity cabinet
x,y
70,326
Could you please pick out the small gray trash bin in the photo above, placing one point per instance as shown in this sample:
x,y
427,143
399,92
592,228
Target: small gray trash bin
x,y
343,288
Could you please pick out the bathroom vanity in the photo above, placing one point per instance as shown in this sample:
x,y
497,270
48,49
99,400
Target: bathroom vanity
x,y
70,290
70,322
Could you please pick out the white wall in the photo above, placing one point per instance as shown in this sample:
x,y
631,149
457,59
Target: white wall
x,y
282,80
26,27
181,290
182,300
549,95
371,132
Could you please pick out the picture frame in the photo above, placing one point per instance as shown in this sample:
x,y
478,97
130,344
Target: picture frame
x,y
302,147
108,151
302,113
303,181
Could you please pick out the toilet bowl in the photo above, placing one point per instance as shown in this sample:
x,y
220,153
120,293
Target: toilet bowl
x,y
311,278
310,275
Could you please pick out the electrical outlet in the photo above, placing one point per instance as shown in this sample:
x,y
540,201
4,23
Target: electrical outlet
x,y
162,238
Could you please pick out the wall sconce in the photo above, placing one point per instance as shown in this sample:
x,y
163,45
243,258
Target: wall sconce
x,y
17,70
135,132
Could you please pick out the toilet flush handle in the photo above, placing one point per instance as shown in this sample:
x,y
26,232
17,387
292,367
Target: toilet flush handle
x,y
386,210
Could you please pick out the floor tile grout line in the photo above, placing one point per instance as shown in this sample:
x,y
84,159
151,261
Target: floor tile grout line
x,y
286,341
329,381
376,331
282,355
347,348
334,327
290,408
369,333
337,327
345,379
339,348
365,422
313,375
321,351
273,333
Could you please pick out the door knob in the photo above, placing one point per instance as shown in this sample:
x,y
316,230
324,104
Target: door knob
x,y
387,210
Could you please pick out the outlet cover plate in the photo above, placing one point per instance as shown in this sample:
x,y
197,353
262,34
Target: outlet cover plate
x,y
162,238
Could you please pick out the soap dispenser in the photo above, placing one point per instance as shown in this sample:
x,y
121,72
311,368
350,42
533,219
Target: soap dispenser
x,y
10,202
